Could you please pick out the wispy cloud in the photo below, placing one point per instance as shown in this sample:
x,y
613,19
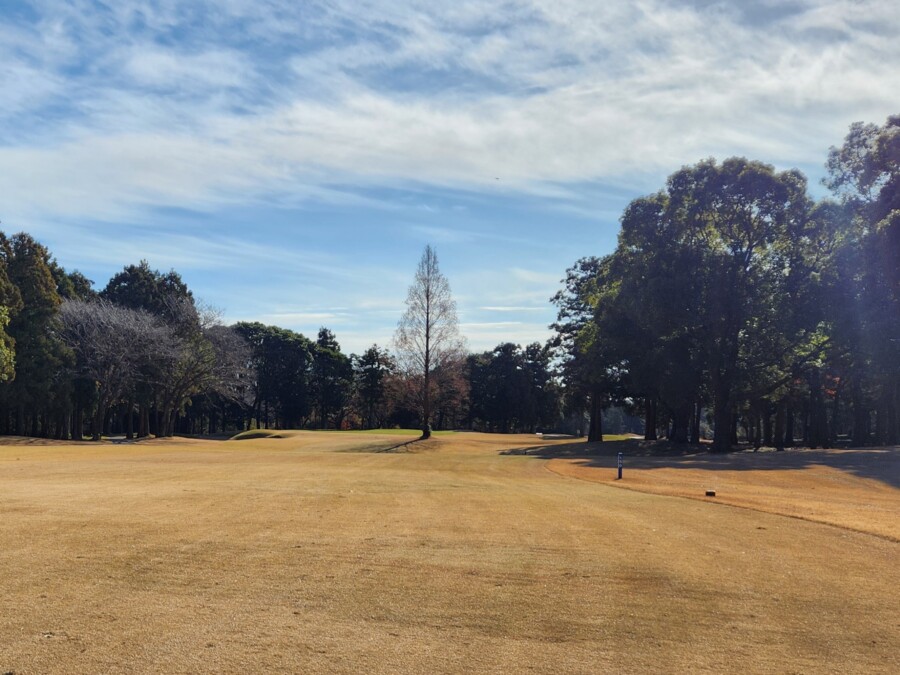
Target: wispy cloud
x,y
532,92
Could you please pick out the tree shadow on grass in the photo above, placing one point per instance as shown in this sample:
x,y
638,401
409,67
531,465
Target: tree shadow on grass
x,y
412,446
880,464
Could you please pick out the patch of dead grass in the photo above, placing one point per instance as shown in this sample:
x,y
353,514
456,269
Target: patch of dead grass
x,y
289,555
852,488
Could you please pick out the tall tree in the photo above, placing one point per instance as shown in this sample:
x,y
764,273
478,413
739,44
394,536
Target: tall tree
x,y
200,358
427,336
542,404
40,354
372,371
590,372
332,379
740,212
7,348
865,174
10,305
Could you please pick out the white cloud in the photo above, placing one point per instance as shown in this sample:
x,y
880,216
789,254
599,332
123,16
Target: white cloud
x,y
573,91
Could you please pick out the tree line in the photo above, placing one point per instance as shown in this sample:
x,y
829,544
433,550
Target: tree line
x,y
142,357
736,305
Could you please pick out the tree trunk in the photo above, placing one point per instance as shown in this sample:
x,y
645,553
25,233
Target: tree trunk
x,y
163,429
894,418
97,422
779,425
834,427
595,430
860,417
650,419
768,435
722,423
818,420
143,423
893,433
78,423
882,416
129,420
681,423
695,422
755,428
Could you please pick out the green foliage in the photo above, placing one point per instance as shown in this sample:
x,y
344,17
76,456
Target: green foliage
x,y
7,349
865,174
282,365
139,287
40,354
72,285
714,295
332,380
374,371
512,389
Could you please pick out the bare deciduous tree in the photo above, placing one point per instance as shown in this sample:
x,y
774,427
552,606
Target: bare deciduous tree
x,y
427,336
205,357
111,344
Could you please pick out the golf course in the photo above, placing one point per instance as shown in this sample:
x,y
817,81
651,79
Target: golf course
x,y
374,553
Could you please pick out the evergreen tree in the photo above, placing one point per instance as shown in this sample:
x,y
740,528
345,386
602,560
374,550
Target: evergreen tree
x,y
40,354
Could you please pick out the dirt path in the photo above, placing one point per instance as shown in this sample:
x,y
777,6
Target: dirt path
x,y
305,555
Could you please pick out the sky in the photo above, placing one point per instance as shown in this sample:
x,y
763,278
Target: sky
x,y
292,159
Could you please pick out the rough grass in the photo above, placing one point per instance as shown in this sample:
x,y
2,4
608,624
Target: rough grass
x,y
304,554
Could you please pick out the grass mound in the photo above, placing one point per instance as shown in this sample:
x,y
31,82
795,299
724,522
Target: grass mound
x,y
261,433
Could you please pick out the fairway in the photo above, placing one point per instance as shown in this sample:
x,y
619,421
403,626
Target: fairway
x,y
351,552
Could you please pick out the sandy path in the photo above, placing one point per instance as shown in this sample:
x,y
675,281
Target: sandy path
x,y
286,555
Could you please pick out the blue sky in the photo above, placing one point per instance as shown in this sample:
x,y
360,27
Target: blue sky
x,y
291,159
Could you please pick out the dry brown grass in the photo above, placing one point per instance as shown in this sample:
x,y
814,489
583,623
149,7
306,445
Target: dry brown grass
x,y
300,555
858,489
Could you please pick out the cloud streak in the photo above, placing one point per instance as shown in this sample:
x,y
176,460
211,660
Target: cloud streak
x,y
540,94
